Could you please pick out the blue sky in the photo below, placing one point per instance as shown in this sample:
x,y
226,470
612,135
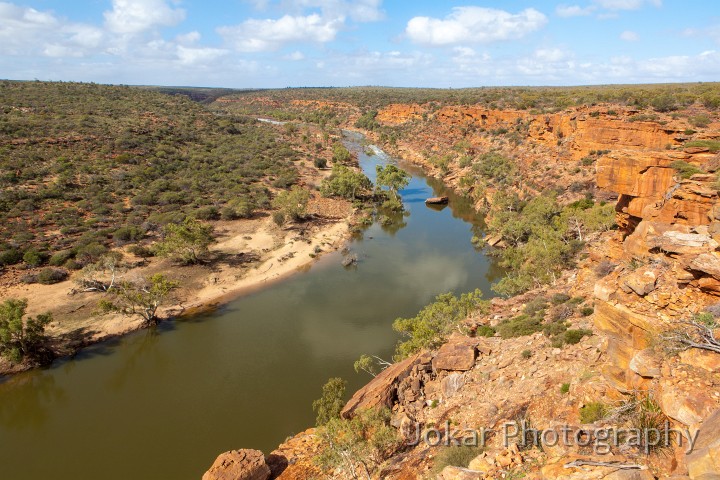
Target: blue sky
x,y
279,43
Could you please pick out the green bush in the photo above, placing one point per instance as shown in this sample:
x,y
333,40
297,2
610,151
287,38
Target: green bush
x,y
320,163
292,203
208,212
485,331
130,233
702,120
519,326
712,145
48,276
572,337
10,257
329,405
565,388
34,258
455,456
58,259
21,338
592,412
560,298
685,169
433,323
141,251
587,311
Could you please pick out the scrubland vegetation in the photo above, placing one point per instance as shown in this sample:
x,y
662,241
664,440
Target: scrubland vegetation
x,y
84,168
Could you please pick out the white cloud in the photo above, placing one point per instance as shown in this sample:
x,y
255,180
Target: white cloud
x,y
358,10
135,16
194,56
573,10
295,56
474,25
629,36
627,4
189,38
26,31
264,35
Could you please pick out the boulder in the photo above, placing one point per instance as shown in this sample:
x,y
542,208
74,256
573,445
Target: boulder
x,y
704,359
683,243
687,405
646,364
458,354
239,465
704,461
382,390
707,263
452,384
458,473
640,282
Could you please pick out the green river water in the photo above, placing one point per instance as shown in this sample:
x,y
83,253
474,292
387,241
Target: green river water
x,y
163,404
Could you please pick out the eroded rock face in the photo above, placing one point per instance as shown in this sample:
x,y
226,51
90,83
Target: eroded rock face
x,y
382,389
239,465
704,461
458,354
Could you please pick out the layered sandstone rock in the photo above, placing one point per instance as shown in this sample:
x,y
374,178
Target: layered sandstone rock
x,y
239,465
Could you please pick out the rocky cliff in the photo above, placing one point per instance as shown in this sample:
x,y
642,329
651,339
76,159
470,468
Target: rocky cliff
x,y
645,290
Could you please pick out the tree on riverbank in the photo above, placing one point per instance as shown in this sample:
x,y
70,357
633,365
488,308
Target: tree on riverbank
x,y
345,182
20,338
142,297
291,204
393,178
187,242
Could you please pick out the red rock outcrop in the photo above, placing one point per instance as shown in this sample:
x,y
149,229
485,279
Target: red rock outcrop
x,y
239,465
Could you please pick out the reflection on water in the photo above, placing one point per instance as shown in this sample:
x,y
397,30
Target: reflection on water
x,y
163,404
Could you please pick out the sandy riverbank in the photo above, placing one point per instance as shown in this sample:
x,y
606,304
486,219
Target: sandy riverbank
x,y
248,255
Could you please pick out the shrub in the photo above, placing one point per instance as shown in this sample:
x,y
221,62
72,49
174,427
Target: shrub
x,y
187,242
592,412
519,326
433,323
48,276
329,405
21,338
535,306
344,182
702,120
10,257
559,298
58,259
34,258
485,331
526,354
292,203
572,337
565,388
90,253
712,145
130,233
278,218
208,212
238,208
140,250
320,163
685,169
664,103
554,329
455,456
587,311
361,443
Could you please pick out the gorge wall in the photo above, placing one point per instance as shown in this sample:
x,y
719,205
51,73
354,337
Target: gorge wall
x,y
645,280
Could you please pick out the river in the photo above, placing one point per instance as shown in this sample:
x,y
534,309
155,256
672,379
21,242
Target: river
x,y
163,404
